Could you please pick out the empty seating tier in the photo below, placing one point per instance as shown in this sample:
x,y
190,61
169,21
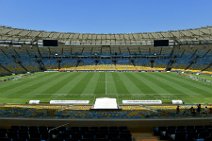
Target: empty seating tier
x,y
42,133
184,133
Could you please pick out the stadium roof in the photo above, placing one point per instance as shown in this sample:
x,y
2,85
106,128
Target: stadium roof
x,y
9,34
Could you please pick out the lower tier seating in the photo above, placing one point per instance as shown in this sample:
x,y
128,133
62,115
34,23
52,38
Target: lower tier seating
x,y
184,133
42,133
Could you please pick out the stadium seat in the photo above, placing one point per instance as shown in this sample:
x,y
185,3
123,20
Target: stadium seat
x,y
184,133
33,133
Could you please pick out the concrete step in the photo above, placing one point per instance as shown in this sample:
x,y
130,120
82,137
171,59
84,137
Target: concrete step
x,y
145,137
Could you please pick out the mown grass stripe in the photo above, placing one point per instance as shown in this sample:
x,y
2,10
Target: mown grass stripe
x,y
71,89
153,83
56,85
197,86
91,85
34,85
135,84
111,85
88,85
100,87
190,94
80,86
4,87
162,84
119,85
131,86
58,94
141,84
15,90
68,84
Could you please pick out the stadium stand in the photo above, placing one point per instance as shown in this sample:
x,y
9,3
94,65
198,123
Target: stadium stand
x,y
25,59
125,52
184,133
38,133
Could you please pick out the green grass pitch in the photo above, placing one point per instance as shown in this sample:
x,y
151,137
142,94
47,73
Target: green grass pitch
x,y
90,85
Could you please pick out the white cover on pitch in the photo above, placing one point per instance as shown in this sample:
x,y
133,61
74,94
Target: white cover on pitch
x,y
67,102
105,103
177,102
138,102
34,102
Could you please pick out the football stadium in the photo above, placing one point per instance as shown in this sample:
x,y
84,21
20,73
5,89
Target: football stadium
x,y
76,86
121,66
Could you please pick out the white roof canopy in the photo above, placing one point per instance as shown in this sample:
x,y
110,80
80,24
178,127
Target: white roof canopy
x,y
9,33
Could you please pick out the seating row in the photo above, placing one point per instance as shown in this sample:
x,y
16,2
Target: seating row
x,y
61,133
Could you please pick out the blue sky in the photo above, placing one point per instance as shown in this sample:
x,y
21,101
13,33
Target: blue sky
x,y
106,16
